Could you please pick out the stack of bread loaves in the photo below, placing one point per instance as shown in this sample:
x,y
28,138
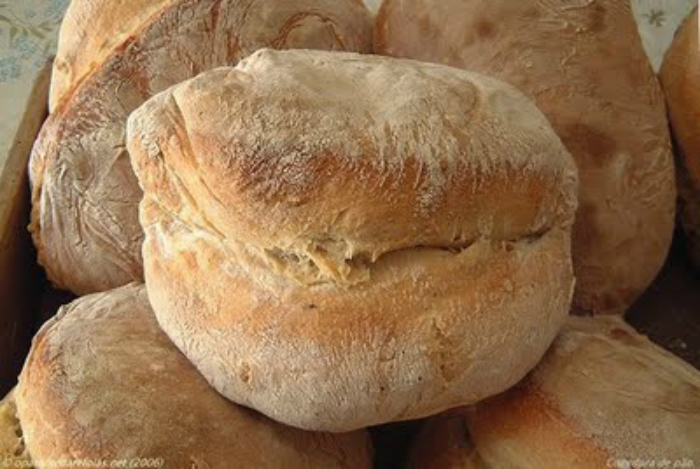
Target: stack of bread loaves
x,y
331,241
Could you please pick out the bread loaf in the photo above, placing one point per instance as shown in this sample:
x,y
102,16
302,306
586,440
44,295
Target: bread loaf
x,y
340,240
13,453
584,65
603,396
104,383
85,196
91,31
680,78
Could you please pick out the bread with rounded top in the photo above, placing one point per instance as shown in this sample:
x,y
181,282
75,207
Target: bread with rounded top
x,y
603,396
103,383
84,194
383,239
584,66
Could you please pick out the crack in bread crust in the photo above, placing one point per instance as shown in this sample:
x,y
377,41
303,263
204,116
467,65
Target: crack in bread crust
x,y
314,261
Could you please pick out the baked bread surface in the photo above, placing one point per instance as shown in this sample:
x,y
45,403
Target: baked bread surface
x,y
104,383
383,239
603,395
84,194
584,65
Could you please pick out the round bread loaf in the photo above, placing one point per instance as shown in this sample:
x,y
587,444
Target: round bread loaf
x,y
85,196
603,396
341,240
104,383
13,453
680,78
584,65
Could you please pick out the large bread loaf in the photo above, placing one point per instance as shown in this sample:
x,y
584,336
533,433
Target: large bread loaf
x,y
584,65
341,240
103,383
85,196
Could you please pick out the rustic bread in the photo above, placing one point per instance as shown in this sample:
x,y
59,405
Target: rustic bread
x,y
90,32
584,65
680,78
341,240
85,196
13,453
103,382
602,396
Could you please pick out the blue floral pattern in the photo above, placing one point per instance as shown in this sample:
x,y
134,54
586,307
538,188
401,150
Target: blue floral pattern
x,y
658,21
28,35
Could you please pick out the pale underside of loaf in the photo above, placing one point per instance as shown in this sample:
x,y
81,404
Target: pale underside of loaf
x,y
584,65
85,196
410,344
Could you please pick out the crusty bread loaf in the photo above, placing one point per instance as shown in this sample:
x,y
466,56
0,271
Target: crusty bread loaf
x,y
103,382
680,78
340,240
90,32
13,453
584,65
603,396
85,196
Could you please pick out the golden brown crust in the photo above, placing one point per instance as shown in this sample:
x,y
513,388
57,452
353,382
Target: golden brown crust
x,y
602,395
680,78
586,69
13,452
91,30
353,243
85,196
523,429
103,382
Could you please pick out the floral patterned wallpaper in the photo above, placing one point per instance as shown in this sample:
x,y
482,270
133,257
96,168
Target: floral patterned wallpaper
x,y
658,21
28,33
